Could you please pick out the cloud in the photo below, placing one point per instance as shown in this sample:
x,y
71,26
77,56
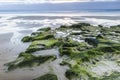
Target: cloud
x,y
42,1
49,1
104,0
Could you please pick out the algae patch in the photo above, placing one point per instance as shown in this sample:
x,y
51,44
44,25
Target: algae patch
x,y
47,77
28,60
85,48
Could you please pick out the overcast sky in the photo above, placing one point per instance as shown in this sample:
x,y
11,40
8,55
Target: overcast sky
x,y
51,1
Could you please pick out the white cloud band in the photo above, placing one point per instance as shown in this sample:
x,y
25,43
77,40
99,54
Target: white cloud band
x,y
51,1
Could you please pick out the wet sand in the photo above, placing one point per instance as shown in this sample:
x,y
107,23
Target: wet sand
x,y
10,50
11,46
34,72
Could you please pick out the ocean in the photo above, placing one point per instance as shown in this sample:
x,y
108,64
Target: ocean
x,y
75,7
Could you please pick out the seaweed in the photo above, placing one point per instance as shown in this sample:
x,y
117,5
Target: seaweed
x,y
28,60
41,45
43,37
97,42
26,39
47,77
44,29
113,76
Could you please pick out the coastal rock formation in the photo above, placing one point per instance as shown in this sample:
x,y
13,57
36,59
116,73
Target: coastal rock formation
x,y
47,77
91,52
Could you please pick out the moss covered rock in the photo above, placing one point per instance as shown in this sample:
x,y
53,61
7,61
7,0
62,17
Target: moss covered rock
x,y
47,77
42,45
43,37
44,29
26,39
83,44
113,76
28,60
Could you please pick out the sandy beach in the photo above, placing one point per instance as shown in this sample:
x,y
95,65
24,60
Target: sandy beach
x,y
59,39
14,28
11,46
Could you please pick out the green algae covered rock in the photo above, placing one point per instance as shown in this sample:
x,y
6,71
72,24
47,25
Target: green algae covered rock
x,y
113,76
45,29
77,72
34,48
79,25
70,74
45,34
83,44
26,39
68,47
92,41
100,36
41,45
28,60
43,37
47,77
